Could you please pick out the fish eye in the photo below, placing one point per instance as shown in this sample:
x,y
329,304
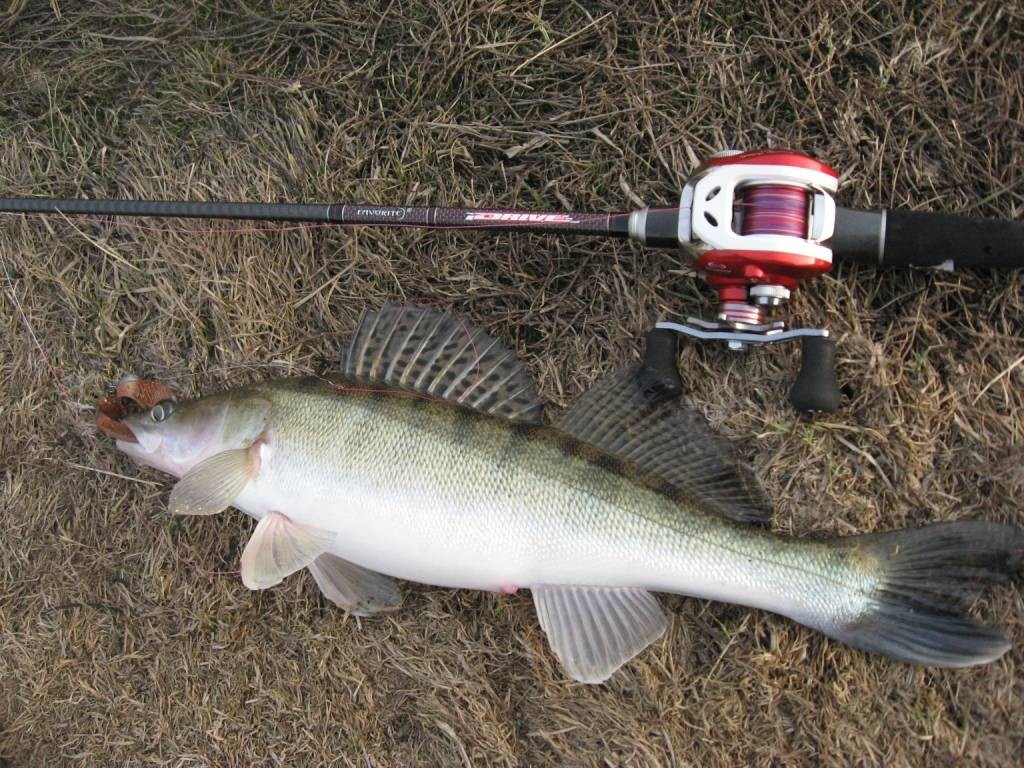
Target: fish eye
x,y
162,410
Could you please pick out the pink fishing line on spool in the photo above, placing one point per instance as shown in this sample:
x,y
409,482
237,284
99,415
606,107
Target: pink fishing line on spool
x,y
773,209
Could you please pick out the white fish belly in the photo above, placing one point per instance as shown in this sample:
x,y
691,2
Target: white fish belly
x,y
493,547
508,544
505,546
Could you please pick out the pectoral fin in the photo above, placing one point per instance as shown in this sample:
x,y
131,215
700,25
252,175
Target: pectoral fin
x,y
354,588
280,546
214,483
595,630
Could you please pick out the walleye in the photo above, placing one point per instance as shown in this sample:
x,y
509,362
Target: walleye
x,y
425,459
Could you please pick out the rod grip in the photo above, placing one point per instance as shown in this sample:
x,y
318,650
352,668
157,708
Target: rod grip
x,y
916,239
920,239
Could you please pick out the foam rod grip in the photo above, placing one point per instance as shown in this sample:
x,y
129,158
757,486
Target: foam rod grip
x,y
815,389
915,239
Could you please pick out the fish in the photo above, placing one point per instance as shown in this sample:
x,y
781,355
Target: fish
x,y
425,457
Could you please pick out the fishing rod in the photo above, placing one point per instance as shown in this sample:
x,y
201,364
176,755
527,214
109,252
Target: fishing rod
x,y
753,224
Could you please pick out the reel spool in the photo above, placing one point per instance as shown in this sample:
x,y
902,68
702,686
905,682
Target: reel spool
x,y
755,225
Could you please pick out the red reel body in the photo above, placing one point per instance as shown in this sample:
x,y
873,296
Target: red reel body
x,y
758,219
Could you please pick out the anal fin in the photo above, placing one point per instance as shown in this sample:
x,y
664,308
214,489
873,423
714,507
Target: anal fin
x,y
595,630
356,589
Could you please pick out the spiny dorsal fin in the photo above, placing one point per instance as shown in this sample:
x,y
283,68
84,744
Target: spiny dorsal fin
x,y
433,353
624,416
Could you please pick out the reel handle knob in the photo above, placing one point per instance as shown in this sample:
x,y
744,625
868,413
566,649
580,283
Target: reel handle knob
x,y
660,371
815,389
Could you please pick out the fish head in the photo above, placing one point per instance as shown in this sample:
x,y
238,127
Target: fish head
x,y
151,425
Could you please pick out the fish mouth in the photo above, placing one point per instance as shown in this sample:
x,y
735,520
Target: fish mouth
x,y
130,395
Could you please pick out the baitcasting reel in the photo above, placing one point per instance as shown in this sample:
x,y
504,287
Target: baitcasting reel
x,y
755,224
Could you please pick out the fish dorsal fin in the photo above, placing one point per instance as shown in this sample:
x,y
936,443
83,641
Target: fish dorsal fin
x,y
436,354
628,417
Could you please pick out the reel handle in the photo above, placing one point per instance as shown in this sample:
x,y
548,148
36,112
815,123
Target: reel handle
x,y
815,389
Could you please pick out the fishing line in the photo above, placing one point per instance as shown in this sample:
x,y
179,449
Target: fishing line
x,y
173,375
178,375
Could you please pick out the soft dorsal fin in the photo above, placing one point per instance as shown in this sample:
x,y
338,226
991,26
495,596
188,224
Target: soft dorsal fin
x,y
628,417
433,353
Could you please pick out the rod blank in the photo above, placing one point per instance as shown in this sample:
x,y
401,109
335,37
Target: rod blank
x,y
353,214
169,209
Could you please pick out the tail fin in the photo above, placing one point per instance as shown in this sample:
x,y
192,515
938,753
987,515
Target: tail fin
x,y
917,611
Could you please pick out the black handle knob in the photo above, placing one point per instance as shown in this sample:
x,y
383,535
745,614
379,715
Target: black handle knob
x,y
660,373
815,389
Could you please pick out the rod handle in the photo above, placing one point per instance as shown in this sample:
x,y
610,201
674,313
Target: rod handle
x,y
916,239
920,239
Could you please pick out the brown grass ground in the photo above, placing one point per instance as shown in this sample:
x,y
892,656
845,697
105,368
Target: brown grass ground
x,y
127,639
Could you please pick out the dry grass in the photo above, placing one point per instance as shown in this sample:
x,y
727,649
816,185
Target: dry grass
x,y
127,639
